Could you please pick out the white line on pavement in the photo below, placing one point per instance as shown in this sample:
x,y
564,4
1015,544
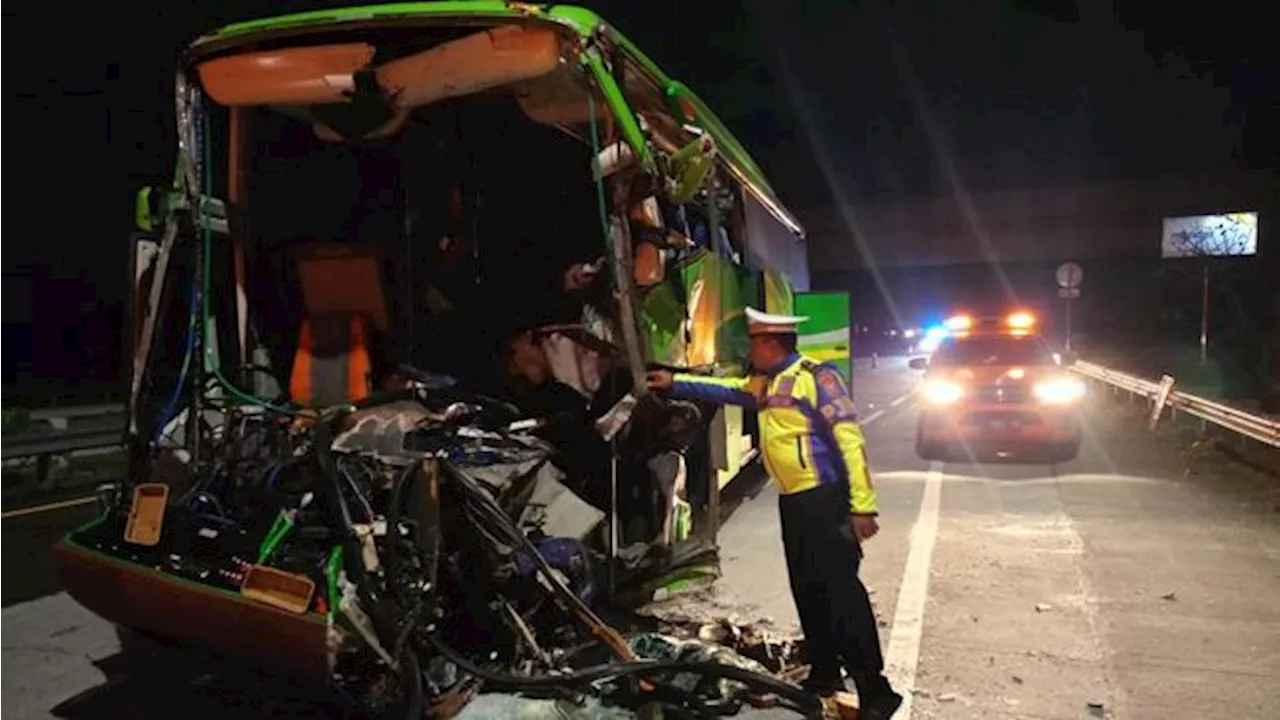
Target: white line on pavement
x,y
881,413
47,508
902,399
903,657
872,418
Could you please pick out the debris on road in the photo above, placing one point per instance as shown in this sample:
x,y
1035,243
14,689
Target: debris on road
x,y
845,706
709,615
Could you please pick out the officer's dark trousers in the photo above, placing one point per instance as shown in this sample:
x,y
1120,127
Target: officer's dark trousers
x,y
823,556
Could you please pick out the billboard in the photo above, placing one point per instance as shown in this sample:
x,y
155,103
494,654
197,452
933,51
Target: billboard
x,y
1225,235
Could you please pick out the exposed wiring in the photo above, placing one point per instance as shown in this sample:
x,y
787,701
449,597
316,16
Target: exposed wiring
x,y
355,489
274,474
171,408
806,703
211,499
211,360
216,518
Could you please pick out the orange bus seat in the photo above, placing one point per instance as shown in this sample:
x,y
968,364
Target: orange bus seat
x,y
333,364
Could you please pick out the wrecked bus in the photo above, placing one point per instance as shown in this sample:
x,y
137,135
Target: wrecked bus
x,y
388,424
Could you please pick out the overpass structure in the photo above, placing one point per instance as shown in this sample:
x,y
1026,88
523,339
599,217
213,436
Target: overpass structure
x,y
1033,226
908,260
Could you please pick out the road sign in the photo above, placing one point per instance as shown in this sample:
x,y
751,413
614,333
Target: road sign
x,y
1069,293
1069,275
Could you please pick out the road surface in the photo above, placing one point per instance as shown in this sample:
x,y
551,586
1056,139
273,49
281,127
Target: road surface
x,y
1119,585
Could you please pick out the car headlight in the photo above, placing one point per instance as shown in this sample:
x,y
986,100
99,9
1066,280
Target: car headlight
x,y
1059,391
941,392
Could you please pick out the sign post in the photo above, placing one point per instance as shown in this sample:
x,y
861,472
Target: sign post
x,y
1204,316
1069,275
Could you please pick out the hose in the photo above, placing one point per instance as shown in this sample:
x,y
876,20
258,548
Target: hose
x,y
393,519
171,408
485,502
211,361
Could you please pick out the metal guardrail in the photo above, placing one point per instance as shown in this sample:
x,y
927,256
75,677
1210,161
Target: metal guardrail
x,y
1262,428
59,442
76,412
68,430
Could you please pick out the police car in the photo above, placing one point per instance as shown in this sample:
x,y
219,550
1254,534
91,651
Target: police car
x,y
994,385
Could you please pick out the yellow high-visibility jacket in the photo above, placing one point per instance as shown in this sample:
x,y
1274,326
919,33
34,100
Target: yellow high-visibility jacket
x,y
809,432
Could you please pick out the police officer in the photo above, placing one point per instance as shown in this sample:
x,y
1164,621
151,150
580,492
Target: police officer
x,y
813,448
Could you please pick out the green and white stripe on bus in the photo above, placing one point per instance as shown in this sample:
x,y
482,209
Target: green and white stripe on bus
x,y
825,335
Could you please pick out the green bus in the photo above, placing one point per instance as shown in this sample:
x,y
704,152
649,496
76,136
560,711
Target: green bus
x,y
408,253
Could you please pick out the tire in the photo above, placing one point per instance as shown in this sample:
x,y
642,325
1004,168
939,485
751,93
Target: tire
x,y
1065,451
927,450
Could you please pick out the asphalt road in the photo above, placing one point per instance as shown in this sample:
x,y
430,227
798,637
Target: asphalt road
x,y
1139,581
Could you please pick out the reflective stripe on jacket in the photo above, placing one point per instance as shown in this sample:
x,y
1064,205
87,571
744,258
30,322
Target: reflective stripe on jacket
x,y
809,432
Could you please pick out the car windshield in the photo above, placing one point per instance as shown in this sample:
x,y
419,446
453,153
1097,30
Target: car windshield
x,y
992,350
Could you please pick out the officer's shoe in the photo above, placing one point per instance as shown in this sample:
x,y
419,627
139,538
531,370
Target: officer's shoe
x,y
820,686
881,707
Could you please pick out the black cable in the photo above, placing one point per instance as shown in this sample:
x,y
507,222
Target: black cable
x,y
495,513
393,519
807,704
354,550
356,491
490,506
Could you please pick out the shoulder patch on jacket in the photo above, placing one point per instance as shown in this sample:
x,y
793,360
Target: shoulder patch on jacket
x,y
835,402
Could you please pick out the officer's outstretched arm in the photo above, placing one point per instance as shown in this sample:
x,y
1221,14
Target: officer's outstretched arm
x,y
837,408
725,391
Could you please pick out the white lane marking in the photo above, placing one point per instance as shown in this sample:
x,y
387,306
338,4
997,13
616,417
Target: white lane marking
x,y
881,413
47,508
903,656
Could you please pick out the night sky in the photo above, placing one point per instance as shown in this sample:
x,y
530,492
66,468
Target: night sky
x,y
1016,94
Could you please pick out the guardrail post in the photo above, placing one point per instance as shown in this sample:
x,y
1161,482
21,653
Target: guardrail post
x,y
1159,395
42,468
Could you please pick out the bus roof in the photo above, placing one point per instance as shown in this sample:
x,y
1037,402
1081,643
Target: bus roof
x,y
585,23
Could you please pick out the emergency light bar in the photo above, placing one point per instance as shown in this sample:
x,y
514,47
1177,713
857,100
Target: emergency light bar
x,y
1021,320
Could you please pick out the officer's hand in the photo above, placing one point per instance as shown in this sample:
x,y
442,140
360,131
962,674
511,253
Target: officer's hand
x,y
659,379
865,526
580,276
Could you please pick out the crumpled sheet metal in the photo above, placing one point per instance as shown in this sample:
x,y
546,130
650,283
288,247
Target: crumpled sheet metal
x,y
381,430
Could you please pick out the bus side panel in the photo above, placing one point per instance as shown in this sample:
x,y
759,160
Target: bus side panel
x,y
826,335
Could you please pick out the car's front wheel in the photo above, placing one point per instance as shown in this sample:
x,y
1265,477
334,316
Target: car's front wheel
x,y
1065,451
928,450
